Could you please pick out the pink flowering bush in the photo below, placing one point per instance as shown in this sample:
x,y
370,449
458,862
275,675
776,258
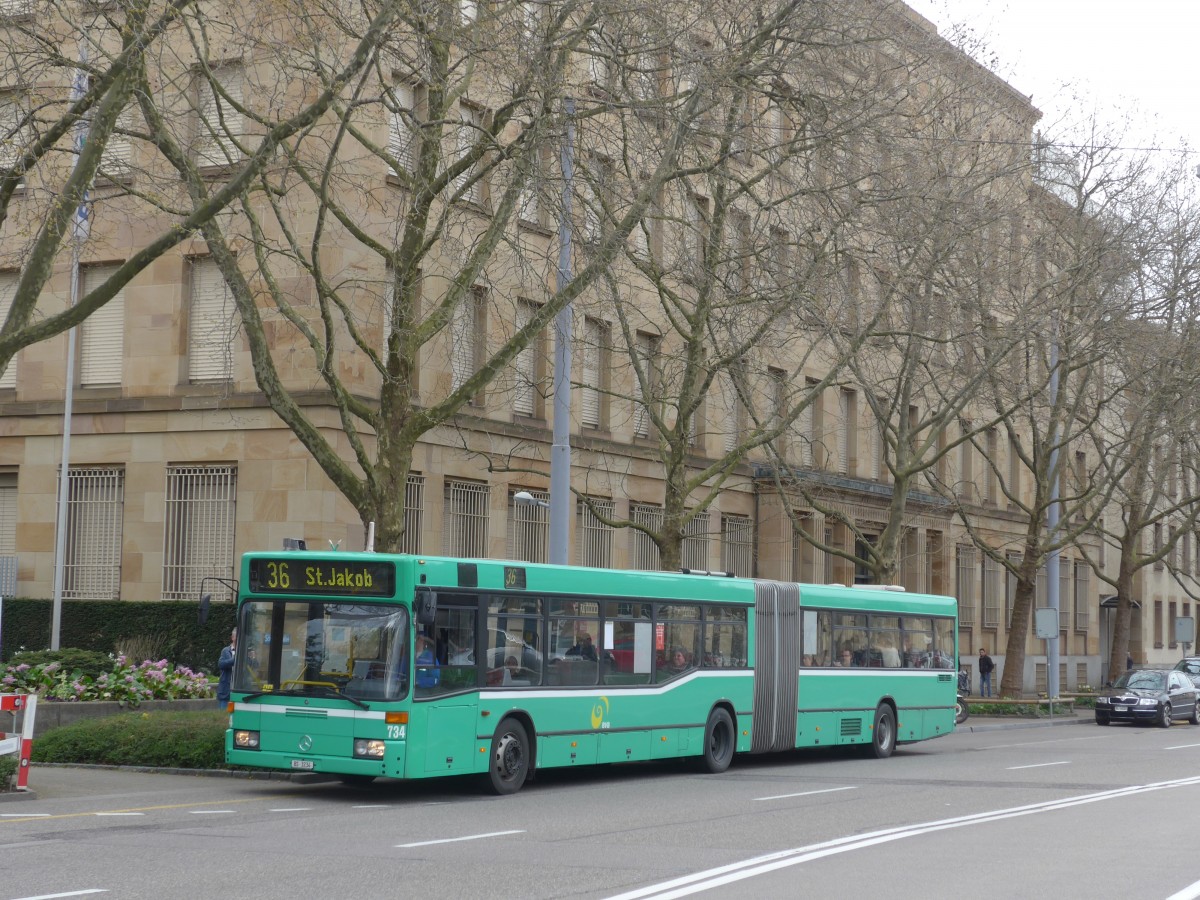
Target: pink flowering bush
x,y
126,683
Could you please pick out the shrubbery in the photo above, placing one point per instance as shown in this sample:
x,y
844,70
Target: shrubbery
x,y
185,740
79,675
8,768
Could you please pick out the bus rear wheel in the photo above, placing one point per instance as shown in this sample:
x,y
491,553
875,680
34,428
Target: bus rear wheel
x,y
883,734
510,758
719,742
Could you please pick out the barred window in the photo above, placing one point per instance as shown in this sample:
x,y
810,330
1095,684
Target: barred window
x,y
694,551
1081,596
199,527
645,551
1064,592
737,545
594,539
528,526
414,502
92,557
993,591
465,520
965,583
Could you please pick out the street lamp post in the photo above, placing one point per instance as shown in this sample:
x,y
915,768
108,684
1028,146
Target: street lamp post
x,y
560,451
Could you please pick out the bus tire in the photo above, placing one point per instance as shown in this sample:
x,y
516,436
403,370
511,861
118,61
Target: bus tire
x,y
883,733
509,765
719,742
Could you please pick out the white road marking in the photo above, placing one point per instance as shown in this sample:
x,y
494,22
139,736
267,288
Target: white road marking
x,y
770,862
1182,747
291,809
806,793
371,806
1063,762
68,894
210,812
24,815
470,837
119,814
1191,892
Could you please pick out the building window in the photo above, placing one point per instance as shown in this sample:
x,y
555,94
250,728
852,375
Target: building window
x,y
694,550
529,367
212,325
15,128
991,486
1082,573
1064,593
647,352
219,124
1010,587
594,543
993,592
645,551
414,503
8,292
466,338
965,583
737,545
102,335
465,519
528,527
847,435
596,363
966,474
402,126
92,558
200,519
468,134
8,534
11,9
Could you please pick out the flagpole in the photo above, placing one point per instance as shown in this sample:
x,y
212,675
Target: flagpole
x,y
79,233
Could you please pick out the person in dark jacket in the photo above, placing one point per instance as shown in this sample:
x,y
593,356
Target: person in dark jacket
x,y
225,667
986,666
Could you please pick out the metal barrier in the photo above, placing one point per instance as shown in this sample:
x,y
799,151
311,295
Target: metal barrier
x,y
22,742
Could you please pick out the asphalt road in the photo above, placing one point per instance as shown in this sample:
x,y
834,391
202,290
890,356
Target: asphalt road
x,y
1071,811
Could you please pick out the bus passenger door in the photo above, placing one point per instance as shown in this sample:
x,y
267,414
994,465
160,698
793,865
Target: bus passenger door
x,y
451,689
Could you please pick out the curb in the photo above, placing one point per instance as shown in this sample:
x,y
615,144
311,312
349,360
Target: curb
x,y
1021,723
294,777
13,796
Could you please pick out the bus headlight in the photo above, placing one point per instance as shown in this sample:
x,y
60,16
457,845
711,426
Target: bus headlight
x,y
368,749
245,740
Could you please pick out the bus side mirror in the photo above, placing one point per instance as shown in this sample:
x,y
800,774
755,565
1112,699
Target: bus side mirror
x,y
425,607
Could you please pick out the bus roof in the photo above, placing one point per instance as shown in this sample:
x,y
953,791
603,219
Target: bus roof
x,y
440,572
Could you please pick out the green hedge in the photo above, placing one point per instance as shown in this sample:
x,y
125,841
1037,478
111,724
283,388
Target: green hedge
x,y
100,624
180,740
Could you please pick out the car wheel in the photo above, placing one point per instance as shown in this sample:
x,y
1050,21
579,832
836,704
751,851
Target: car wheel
x,y
1194,718
1101,720
1164,715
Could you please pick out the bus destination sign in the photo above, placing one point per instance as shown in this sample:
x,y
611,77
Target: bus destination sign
x,y
299,574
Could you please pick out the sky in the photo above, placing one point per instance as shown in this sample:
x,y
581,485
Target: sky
x,y
1124,56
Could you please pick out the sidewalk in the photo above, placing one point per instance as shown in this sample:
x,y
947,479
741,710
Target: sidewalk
x,y
997,723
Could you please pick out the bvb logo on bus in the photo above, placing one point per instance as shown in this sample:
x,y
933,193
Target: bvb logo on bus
x,y
600,713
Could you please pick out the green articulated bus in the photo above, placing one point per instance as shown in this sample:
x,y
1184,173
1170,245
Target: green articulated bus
x,y
364,665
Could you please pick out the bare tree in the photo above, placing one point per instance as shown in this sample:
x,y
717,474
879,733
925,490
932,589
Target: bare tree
x,y
89,104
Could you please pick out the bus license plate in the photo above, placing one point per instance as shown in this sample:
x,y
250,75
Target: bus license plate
x,y
302,763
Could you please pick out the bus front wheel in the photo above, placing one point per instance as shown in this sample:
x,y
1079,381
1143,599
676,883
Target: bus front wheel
x,y
883,734
719,742
510,758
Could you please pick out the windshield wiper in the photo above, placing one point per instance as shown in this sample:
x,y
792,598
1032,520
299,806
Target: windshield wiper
x,y
318,690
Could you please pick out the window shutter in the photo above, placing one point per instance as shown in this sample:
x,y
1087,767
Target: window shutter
x,y
462,338
102,336
8,290
526,366
401,135
219,124
210,332
590,413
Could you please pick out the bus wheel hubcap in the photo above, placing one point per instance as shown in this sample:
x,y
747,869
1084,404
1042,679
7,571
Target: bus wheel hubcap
x,y
508,756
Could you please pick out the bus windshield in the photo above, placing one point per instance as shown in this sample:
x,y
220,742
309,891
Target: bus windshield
x,y
354,649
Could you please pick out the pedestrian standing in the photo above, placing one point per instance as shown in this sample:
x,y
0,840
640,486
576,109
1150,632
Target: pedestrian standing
x,y
1128,661
985,673
225,667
